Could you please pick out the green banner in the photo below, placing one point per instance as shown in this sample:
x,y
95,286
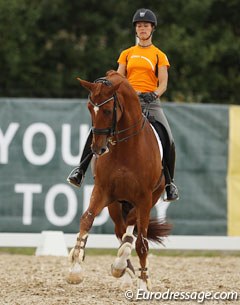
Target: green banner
x,y
41,141
201,135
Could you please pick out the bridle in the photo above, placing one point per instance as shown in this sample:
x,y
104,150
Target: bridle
x,y
111,131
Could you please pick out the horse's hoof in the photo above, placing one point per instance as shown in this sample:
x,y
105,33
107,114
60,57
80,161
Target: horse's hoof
x,y
74,278
75,275
145,285
117,272
149,284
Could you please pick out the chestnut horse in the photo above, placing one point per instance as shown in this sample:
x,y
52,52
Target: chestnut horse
x,y
129,177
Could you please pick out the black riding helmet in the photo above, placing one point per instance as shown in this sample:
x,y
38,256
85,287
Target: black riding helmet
x,y
144,15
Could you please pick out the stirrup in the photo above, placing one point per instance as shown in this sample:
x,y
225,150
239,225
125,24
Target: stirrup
x,y
171,195
76,177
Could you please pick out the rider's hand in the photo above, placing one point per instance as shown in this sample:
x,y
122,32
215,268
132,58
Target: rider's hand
x,y
149,97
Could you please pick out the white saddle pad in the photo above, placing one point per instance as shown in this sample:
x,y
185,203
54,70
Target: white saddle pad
x,y
159,142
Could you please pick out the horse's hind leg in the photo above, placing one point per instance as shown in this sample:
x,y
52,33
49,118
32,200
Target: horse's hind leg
x,y
122,266
115,212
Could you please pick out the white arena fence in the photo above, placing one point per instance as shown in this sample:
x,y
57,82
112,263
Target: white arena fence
x,y
57,243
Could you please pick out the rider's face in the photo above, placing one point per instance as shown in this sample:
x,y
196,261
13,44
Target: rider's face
x,y
143,29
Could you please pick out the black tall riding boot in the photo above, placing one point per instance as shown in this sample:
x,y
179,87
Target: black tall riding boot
x,y
168,160
77,174
169,167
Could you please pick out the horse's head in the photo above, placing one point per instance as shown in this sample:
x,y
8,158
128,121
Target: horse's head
x,y
105,111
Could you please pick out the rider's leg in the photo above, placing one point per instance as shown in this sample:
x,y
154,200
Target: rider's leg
x,y
169,168
168,161
155,111
77,175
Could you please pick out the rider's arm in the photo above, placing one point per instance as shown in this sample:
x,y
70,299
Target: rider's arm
x,y
122,69
163,80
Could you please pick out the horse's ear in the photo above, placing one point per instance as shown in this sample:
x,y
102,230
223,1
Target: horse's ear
x,y
86,84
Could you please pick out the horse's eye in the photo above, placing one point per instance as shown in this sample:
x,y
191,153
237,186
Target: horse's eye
x,y
107,112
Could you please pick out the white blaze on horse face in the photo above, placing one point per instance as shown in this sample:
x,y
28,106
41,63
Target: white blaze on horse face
x,y
96,108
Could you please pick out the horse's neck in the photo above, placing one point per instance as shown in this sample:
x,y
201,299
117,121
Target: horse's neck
x,y
132,108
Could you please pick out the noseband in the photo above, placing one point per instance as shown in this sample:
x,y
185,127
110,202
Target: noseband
x,y
112,130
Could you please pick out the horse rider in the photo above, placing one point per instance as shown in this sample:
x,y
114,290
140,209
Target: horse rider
x,y
146,68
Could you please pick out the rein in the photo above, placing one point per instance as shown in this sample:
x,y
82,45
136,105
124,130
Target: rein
x,y
112,130
142,119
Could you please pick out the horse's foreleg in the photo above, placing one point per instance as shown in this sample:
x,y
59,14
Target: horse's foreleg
x,y
142,249
122,265
76,258
77,254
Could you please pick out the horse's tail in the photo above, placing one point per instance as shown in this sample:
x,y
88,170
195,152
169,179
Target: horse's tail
x,y
157,228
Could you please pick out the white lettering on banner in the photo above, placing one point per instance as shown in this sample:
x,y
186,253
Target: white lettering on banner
x,y
28,190
50,148
29,134
5,141
66,143
103,216
28,199
50,202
